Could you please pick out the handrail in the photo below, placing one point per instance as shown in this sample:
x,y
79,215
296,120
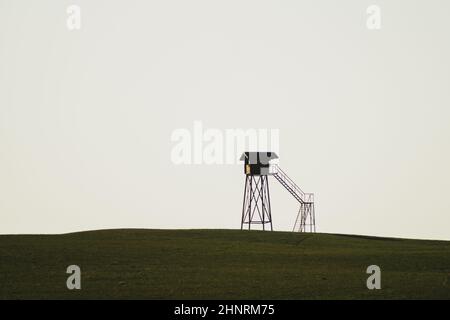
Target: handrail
x,y
305,197
289,179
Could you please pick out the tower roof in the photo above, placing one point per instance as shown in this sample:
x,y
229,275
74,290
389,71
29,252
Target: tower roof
x,y
258,157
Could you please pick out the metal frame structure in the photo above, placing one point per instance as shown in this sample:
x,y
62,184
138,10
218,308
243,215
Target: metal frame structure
x,y
306,217
256,204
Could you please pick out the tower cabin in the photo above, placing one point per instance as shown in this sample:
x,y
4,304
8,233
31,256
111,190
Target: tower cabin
x,y
258,163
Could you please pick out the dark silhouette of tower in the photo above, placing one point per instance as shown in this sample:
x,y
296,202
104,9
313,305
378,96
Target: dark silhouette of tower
x,y
256,208
256,205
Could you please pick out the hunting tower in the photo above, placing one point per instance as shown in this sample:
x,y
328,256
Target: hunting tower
x,y
256,208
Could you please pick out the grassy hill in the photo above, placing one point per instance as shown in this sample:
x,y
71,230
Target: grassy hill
x,y
216,264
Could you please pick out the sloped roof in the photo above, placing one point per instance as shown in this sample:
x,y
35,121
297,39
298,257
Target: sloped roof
x,y
259,155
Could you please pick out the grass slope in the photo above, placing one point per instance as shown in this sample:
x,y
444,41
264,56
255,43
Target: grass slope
x,y
216,264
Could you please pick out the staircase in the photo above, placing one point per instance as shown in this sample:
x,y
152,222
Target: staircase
x,y
291,186
306,200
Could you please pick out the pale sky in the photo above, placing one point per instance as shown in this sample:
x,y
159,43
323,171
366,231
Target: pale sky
x,y
86,116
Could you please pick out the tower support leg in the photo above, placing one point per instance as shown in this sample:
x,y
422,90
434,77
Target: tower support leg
x,y
256,210
306,220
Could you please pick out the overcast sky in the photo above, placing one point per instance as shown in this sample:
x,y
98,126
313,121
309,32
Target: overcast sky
x,y
86,116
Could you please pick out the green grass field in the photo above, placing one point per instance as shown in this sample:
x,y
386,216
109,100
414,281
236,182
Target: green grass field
x,y
221,264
